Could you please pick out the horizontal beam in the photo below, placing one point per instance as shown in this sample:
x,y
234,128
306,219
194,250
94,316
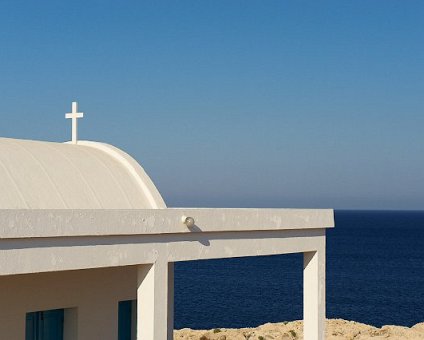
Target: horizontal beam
x,y
23,256
48,223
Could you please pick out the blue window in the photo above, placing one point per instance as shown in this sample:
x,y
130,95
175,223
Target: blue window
x,y
45,325
125,316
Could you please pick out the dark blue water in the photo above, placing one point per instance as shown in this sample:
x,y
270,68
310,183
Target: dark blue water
x,y
375,275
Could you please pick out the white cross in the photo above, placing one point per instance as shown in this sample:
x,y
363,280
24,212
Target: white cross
x,y
74,115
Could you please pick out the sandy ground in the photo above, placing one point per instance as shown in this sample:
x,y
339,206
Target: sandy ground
x,y
336,330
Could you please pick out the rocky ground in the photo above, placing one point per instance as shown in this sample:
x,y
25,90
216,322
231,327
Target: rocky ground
x,y
336,330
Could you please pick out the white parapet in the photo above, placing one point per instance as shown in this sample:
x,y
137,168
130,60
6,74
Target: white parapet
x,y
42,223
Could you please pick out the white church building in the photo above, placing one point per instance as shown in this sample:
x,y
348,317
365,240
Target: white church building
x,y
88,245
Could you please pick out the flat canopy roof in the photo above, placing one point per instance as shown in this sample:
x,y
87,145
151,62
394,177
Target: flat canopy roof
x,y
47,223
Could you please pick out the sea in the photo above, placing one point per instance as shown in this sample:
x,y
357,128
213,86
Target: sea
x,y
375,275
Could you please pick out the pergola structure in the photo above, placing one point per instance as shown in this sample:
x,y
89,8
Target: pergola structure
x,y
82,227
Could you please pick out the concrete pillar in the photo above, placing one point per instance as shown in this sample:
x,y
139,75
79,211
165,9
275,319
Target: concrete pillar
x,y
170,301
314,294
155,301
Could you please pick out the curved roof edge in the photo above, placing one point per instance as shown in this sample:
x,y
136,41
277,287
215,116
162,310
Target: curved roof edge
x,y
133,167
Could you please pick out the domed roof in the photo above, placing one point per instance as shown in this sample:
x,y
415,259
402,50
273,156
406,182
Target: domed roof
x,y
88,175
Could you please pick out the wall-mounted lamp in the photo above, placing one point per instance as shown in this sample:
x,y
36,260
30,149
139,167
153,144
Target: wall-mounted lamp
x,y
188,221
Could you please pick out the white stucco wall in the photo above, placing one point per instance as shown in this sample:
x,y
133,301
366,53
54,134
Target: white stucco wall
x,y
83,227
93,294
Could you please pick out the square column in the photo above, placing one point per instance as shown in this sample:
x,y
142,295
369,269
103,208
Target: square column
x,y
155,301
170,300
314,294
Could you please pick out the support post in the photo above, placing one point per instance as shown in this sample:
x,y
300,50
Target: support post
x,y
314,294
155,301
170,300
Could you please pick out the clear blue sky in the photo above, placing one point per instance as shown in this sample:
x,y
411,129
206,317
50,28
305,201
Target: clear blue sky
x,y
231,103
